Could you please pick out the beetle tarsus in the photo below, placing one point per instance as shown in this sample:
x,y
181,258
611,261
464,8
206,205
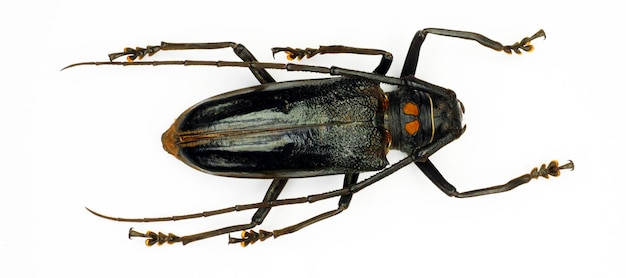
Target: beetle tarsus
x,y
296,53
155,238
524,44
553,169
136,53
250,237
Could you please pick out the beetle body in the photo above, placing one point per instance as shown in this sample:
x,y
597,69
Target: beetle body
x,y
302,128
340,125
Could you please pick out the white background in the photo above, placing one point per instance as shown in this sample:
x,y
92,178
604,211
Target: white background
x,y
89,136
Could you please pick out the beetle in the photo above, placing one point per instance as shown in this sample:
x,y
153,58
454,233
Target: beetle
x,y
341,125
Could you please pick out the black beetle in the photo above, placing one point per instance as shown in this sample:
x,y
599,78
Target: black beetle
x,y
338,125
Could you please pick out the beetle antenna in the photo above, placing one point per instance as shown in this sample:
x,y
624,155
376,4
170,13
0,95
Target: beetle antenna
x,y
89,63
281,66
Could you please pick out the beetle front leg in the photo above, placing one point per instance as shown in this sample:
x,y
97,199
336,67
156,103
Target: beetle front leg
x,y
516,47
250,237
424,153
410,64
552,169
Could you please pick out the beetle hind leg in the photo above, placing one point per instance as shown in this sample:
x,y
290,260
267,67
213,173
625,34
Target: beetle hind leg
x,y
270,200
250,237
159,238
240,50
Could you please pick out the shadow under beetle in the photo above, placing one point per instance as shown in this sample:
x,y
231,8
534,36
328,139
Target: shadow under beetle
x,y
341,125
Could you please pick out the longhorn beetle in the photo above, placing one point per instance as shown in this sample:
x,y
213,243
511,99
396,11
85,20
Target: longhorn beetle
x,y
338,125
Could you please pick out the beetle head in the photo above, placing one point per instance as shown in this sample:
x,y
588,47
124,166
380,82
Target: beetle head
x,y
447,118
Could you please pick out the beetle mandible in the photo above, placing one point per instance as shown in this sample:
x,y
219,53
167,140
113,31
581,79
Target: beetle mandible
x,y
337,125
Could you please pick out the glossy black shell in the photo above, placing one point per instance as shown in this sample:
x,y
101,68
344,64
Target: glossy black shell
x,y
285,129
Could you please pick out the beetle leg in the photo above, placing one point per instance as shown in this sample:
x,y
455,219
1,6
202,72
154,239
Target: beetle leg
x,y
250,237
553,169
412,57
344,201
297,53
422,154
263,208
272,193
242,52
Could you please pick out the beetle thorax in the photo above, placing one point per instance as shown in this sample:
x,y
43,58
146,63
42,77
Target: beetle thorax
x,y
417,119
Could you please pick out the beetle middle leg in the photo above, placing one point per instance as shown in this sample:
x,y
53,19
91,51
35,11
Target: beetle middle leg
x,y
297,53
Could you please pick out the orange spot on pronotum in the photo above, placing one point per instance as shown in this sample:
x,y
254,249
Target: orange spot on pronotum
x,y
410,109
412,127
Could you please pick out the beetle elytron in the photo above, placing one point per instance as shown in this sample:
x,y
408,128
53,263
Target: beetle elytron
x,y
339,125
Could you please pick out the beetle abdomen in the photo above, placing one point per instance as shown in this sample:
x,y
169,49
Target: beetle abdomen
x,y
289,129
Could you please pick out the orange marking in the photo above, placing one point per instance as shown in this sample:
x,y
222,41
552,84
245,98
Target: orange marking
x,y
412,127
410,109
